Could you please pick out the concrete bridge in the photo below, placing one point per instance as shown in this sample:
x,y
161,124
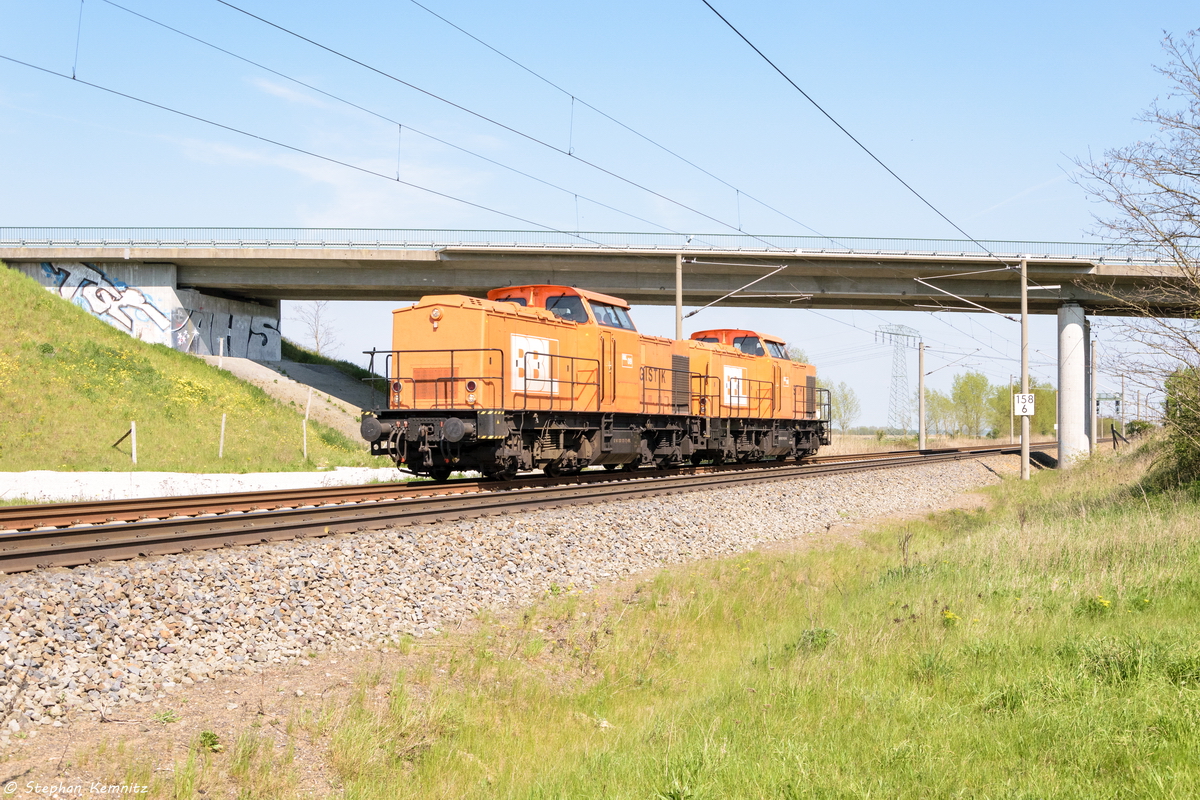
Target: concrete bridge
x,y
220,288
268,265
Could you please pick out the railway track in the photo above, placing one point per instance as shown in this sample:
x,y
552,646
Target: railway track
x,y
70,534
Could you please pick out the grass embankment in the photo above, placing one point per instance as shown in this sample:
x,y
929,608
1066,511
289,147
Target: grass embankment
x,y
70,384
1045,648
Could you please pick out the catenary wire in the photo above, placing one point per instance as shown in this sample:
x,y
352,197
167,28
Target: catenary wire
x,y
295,149
576,99
490,120
843,129
385,117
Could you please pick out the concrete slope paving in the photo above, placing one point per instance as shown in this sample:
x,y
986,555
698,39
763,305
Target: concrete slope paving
x,y
331,380
336,399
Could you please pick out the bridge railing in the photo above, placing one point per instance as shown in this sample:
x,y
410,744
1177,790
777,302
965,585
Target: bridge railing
x,y
436,239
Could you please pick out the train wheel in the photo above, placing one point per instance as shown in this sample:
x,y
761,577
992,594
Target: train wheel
x,y
440,474
632,465
611,467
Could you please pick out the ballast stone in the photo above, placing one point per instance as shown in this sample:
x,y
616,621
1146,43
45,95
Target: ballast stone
x,y
91,638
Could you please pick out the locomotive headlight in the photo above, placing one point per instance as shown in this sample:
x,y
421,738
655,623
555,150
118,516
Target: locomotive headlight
x,y
436,314
471,398
397,386
472,386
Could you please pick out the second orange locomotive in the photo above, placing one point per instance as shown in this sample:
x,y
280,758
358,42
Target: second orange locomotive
x,y
558,378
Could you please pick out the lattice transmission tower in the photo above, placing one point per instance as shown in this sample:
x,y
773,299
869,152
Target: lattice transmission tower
x,y
902,338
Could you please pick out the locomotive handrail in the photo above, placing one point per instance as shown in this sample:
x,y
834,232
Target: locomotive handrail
x,y
443,385
817,404
554,382
824,406
763,392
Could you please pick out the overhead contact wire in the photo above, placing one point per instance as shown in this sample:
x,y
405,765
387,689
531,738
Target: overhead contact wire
x,y
383,117
295,149
843,129
497,123
618,122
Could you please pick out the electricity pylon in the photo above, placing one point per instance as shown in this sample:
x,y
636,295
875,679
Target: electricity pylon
x,y
901,337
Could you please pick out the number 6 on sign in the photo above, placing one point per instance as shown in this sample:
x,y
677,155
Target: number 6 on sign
x,y
1022,405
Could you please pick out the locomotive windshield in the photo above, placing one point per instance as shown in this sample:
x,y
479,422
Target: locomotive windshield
x,y
612,316
750,345
776,349
568,307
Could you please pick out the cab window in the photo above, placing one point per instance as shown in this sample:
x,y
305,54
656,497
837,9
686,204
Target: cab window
x,y
750,345
518,300
711,339
776,349
612,316
568,307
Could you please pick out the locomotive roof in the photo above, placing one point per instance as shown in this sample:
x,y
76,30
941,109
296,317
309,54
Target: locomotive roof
x,y
545,288
727,335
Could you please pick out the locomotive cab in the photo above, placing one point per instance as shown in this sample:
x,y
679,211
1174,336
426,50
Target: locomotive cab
x,y
748,342
569,304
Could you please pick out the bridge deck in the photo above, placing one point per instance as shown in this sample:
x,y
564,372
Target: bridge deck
x,y
295,264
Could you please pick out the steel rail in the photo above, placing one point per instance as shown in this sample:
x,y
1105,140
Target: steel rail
x,y
103,512
29,550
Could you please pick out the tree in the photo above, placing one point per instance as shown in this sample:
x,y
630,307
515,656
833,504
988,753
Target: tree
x,y
939,412
1045,405
315,319
844,406
999,411
796,353
1152,190
970,393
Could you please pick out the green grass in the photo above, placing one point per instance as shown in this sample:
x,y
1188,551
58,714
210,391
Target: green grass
x,y
1047,648
70,384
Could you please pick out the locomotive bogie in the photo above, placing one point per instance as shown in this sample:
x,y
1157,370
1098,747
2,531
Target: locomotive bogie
x,y
558,379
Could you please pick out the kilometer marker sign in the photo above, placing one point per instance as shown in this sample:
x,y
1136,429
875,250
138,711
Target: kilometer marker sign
x,y
1022,405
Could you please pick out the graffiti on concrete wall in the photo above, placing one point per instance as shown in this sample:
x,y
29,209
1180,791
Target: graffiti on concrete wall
x,y
243,336
121,304
158,311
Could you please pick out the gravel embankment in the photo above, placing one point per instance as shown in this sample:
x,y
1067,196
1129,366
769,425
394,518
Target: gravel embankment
x,y
88,639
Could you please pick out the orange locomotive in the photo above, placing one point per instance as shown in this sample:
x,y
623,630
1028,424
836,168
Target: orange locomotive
x,y
558,378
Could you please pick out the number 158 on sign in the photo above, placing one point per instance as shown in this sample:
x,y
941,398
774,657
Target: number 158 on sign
x,y
1022,405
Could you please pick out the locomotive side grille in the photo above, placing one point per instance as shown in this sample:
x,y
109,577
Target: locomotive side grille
x,y
810,395
681,384
434,384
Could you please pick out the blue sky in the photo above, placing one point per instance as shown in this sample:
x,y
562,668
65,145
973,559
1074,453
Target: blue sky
x,y
981,107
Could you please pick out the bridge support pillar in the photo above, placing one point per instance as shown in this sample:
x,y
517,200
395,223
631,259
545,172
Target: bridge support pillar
x,y
1072,384
1089,393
